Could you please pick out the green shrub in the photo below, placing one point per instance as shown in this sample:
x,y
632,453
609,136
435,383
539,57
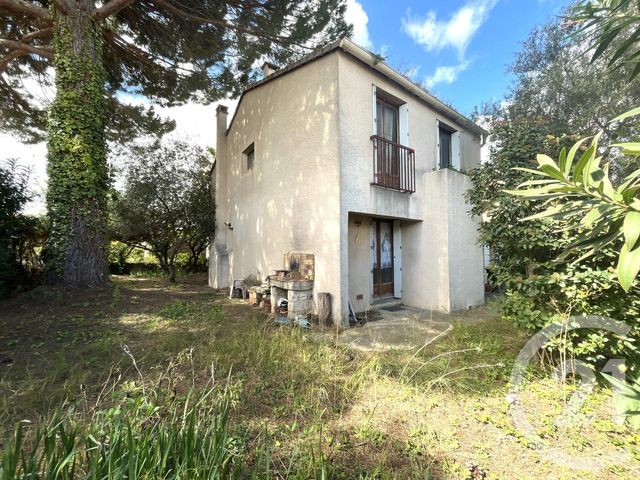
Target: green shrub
x,y
538,289
122,255
535,302
21,236
532,302
187,262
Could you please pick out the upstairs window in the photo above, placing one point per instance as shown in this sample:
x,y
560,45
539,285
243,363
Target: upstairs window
x,y
445,148
393,160
390,117
249,156
445,136
387,120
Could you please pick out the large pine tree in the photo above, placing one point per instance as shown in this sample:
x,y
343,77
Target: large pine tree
x,y
169,51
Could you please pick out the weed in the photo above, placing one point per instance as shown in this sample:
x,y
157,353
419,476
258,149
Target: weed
x,y
116,296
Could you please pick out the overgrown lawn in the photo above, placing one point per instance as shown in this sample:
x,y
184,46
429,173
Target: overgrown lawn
x,y
299,405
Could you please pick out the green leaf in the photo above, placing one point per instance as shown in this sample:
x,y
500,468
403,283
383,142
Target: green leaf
x,y
631,229
552,172
545,160
629,148
530,191
593,174
629,194
606,187
632,176
589,240
547,213
548,166
628,266
635,72
624,116
562,161
586,157
530,183
624,47
594,215
605,40
572,154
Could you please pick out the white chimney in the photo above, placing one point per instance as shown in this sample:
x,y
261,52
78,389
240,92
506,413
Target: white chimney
x,y
268,68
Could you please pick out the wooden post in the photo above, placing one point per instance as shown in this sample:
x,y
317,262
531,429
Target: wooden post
x,y
324,309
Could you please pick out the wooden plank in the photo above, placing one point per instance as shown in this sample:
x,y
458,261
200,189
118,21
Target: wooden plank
x,y
324,309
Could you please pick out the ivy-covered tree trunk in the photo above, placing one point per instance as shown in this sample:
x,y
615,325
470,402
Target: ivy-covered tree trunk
x,y
77,167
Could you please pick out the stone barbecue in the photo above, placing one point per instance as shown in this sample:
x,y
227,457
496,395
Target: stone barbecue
x,y
294,284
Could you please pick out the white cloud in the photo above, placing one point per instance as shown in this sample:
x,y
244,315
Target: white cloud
x,y
446,75
434,34
356,16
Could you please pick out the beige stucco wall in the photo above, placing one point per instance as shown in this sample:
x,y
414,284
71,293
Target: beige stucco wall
x,y
218,252
359,252
431,216
290,200
425,248
466,262
442,264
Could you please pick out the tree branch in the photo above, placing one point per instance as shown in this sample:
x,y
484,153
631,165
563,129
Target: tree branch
x,y
110,8
43,32
44,51
143,55
10,57
26,8
216,21
17,53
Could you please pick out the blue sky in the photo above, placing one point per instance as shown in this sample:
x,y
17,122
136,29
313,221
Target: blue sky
x,y
461,48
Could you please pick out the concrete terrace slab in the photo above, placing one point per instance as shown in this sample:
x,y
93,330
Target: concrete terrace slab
x,y
403,328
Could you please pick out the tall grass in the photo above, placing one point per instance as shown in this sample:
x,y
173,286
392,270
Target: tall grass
x,y
134,440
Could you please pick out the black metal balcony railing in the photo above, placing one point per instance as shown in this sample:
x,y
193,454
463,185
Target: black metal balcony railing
x,y
394,165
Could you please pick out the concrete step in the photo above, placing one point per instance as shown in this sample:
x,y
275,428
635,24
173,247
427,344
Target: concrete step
x,y
386,302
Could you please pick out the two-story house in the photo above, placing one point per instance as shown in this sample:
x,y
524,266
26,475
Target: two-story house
x,y
342,157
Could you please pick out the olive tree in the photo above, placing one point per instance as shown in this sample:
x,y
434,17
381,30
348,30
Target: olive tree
x,y
166,206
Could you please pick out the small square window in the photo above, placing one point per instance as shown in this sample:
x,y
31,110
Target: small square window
x,y
249,156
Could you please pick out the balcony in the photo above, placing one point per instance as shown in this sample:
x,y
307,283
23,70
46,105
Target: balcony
x,y
394,165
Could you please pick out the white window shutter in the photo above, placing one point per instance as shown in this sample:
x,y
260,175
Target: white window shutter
x,y
404,125
438,144
455,150
375,110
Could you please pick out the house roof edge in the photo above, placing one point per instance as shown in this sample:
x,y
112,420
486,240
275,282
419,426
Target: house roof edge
x,y
373,61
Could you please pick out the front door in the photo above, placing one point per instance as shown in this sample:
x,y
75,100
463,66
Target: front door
x,y
382,257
